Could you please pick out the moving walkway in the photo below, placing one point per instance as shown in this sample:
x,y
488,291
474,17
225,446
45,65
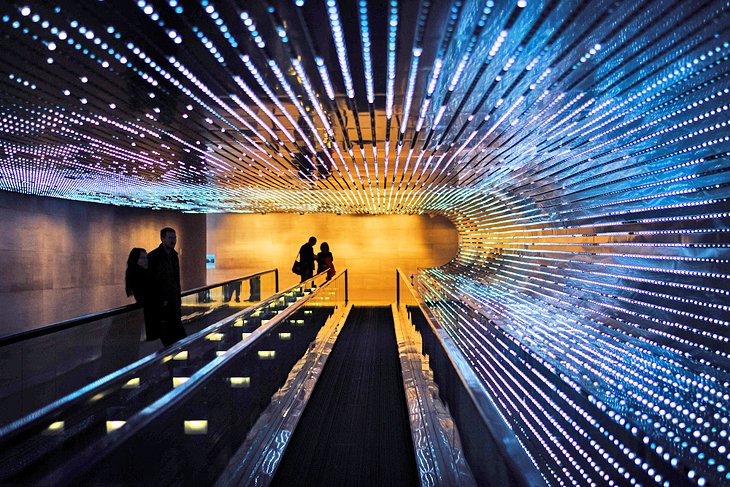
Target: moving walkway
x,y
40,366
303,388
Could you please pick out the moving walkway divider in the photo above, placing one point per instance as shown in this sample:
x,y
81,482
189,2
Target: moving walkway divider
x,y
492,450
67,437
436,443
256,460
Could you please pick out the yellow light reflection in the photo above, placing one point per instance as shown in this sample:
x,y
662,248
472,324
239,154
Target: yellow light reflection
x,y
244,382
196,426
183,355
114,425
214,337
284,336
176,381
267,354
245,335
54,428
307,311
131,384
218,353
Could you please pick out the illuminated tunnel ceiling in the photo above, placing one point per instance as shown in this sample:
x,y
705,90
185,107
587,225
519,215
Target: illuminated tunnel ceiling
x,y
580,147
356,107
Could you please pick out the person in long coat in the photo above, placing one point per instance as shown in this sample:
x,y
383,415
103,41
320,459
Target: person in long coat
x,y
164,271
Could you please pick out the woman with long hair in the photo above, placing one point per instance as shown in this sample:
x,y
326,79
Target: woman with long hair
x,y
324,260
137,284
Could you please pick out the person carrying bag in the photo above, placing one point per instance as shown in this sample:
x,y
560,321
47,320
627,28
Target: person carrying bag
x,y
297,267
304,265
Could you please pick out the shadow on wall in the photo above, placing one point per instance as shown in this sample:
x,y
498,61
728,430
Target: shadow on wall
x,y
370,247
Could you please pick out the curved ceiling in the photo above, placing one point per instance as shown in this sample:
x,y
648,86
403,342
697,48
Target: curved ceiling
x,y
580,147
348,107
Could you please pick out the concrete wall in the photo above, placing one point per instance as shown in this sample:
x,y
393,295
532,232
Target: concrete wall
x,y
61,259
371,247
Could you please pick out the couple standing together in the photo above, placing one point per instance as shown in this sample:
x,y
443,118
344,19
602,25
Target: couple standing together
x,y
154,281
323,259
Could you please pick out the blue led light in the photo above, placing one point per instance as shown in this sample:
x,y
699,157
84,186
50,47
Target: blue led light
x,y
581,151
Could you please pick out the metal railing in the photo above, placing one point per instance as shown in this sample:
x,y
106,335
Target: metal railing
x,y
81,320
40,366
199,384
494,453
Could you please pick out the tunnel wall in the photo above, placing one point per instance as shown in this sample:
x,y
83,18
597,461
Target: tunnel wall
x,y
590,291
600,324
62,259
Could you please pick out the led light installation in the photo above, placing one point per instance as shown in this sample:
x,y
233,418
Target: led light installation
x,y
581,148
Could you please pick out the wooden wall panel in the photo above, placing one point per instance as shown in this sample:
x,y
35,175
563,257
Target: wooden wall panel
x,y
371,247
61,259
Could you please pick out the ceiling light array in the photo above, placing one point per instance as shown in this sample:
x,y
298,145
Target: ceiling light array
x,y
473,108
581,149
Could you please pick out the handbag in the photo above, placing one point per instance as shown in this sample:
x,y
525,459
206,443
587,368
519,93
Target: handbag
x,y
297,267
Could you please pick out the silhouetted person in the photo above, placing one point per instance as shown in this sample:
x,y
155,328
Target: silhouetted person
x,y
120,344
306,257
230,289
164,271
255,284
324,260
137,284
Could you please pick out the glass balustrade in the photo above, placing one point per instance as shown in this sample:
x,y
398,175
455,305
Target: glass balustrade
x,y
189,405
43,365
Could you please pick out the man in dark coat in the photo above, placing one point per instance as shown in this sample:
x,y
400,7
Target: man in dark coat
x,y
306,257
164,272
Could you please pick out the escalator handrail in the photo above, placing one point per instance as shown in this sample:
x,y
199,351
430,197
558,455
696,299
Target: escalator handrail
x,y
81,320
121,376
504,437
108,443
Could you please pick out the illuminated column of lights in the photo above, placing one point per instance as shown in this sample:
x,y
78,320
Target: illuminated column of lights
x,y
369,88
149,10
389,90
333,14
209,45
251,26
242,84
218,21
262,83
324,75
304,81
392,39
416,52
367,58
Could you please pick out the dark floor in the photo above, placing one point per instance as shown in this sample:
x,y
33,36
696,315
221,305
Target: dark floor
x,y
354,430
